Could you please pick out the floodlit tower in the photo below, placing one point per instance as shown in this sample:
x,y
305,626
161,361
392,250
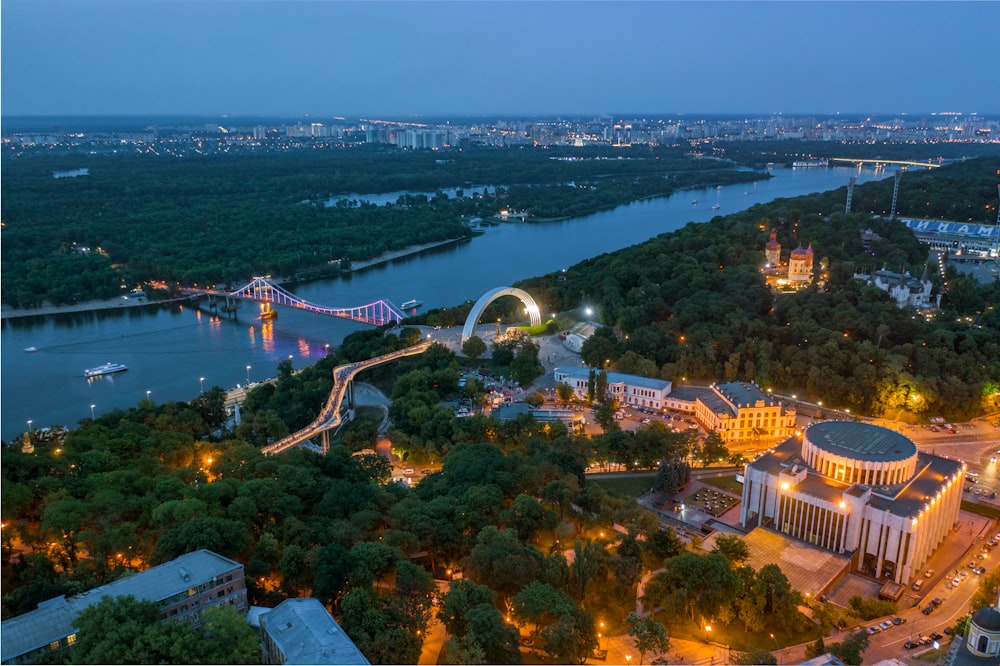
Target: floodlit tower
x,y
895,193
850,192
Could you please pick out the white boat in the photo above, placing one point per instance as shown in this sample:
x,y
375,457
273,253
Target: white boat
x,y
106,369
31,349
409,305
716,206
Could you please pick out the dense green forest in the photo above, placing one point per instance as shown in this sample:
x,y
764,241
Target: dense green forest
x,y
141,486
221,219
758,153
694,304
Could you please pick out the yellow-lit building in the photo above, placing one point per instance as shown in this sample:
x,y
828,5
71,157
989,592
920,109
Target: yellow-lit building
x,y
857,489
800,264
741,411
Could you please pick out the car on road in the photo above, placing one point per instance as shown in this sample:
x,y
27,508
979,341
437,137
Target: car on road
x,y
898,620
928,610
909,645
979,570
936,636
928,573
936,601
917,585
874,629
409,471
885,625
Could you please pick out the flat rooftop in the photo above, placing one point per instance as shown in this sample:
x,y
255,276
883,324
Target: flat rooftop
x,y
808,568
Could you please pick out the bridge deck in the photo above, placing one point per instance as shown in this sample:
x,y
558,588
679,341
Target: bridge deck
x,y
330,418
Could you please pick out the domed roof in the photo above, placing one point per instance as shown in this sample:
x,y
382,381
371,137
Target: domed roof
x,y
773,243
861,441
987,619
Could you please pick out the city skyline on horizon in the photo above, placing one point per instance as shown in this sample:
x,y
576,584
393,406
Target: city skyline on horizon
x,y
500,59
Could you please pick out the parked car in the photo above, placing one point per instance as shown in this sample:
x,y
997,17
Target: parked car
x,y
917,585
898,620
928,573
909,645
936,601
874,629
885,625
928,610
936,636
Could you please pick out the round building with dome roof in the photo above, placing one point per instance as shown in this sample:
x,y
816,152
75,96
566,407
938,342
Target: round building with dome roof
x,y
984,633
860,490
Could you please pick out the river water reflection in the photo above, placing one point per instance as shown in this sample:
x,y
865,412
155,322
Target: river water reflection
x,y
169,348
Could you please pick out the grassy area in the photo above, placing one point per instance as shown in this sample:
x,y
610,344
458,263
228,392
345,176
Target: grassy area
x,y
727,483
737,639
981,510
629,487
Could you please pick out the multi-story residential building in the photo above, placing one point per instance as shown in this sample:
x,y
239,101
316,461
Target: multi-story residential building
x,y
301,631
741,411
860,490
183,588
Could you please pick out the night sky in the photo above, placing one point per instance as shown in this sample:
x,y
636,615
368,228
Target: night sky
x,y
98,57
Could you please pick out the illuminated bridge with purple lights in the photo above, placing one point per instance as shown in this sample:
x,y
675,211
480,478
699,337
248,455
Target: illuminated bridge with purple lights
x,y
379,313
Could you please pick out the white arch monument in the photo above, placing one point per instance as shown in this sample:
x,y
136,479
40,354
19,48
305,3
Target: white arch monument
x,y
534,316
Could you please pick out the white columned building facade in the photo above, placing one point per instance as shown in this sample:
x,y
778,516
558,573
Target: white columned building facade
x,y
857,489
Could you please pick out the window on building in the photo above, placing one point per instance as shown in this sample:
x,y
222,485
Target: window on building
x,y
71,639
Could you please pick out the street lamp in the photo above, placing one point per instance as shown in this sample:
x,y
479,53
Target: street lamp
x,y
201,381
92,412
248,374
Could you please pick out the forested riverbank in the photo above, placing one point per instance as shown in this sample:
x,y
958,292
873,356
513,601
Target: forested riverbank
x,y
694,303
218,220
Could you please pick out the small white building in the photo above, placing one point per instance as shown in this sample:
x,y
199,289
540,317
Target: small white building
x,y
907,290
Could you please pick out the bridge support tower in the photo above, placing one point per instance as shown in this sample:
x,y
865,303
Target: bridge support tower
x,y
850,192
895,193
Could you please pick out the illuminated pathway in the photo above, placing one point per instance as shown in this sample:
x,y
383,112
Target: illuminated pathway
x,y
330,418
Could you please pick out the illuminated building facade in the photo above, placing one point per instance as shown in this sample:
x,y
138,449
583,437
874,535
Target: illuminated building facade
x,y
772,250
630,390
741,411
800,264
857,489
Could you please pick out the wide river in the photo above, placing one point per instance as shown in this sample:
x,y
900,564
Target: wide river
x,y
169,348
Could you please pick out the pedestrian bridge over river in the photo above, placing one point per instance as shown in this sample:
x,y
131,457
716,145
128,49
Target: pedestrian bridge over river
x,y
261,289
332,415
